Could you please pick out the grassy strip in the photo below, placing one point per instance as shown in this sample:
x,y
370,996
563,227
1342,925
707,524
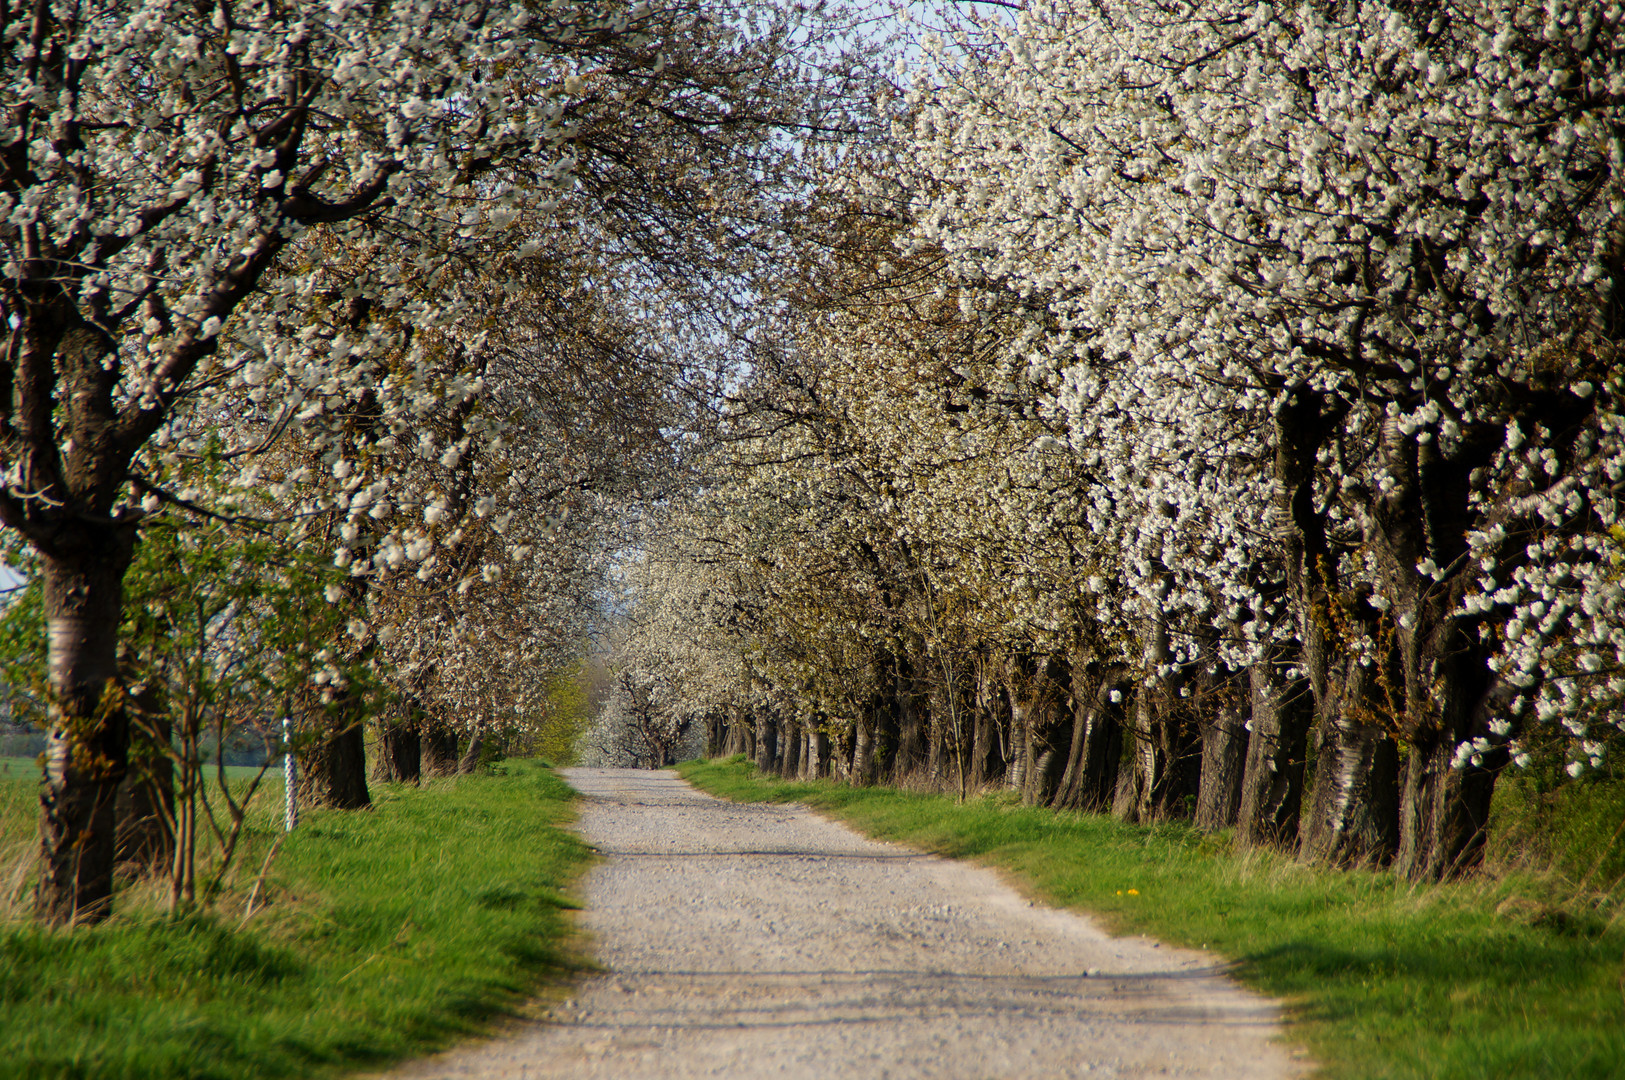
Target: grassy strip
x,y
388,934
1381,979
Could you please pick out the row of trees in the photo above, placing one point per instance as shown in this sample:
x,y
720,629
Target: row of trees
x,y
332,332
1207,409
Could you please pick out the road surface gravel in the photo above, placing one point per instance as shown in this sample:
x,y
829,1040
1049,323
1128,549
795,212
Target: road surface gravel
x,y
756,940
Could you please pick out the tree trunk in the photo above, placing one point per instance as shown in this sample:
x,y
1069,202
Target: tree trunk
x,y
1165,762
734,744
439,745
1020,749
1445,810
767,742
87,753
1272,785
400,753
470,761
911,730
884,730
941,759
1426,513
1354,804
1090,781
1048,686
1223,707
790,742
987,747
863,754
332,770
1166,749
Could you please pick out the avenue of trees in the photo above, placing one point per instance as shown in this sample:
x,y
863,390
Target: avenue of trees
x,y
1199,409
334,334
1202,409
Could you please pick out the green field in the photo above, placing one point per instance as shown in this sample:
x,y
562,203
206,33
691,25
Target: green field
x,y
1491,979
378,935
18,768
27,768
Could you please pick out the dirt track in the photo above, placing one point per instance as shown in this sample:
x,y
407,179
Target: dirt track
x,y
748,941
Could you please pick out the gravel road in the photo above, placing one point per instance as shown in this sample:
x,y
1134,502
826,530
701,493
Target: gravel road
x,y
750,941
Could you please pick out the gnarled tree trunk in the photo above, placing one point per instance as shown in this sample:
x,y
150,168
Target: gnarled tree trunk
x,y
1444,810
1272,784
987,760
912,751
332,769
1354,803
1166,750
1098,706
400,752
767,742
470,761
1425,514
86,755
1223,709
1048,685
439,742
863,752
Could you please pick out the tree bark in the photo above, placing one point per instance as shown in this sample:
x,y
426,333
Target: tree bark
x,y
1272,784
469,763
951,705
1166,750
987,747
439,745
1020,749
1224,707
1444,810
1354,803
911,730
1049,725
1090,781
400,753
767,742
1426,513
333,768
87,751
863,754
733,743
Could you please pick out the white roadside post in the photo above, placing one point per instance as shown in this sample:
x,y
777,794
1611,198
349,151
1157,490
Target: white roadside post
x,y
290,802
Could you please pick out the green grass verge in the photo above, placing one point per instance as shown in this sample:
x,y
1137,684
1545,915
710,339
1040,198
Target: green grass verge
x,y
389,933
1479,980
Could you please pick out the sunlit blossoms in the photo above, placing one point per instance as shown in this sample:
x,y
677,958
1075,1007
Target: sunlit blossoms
x,y
1367,253
276,239
1322,305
